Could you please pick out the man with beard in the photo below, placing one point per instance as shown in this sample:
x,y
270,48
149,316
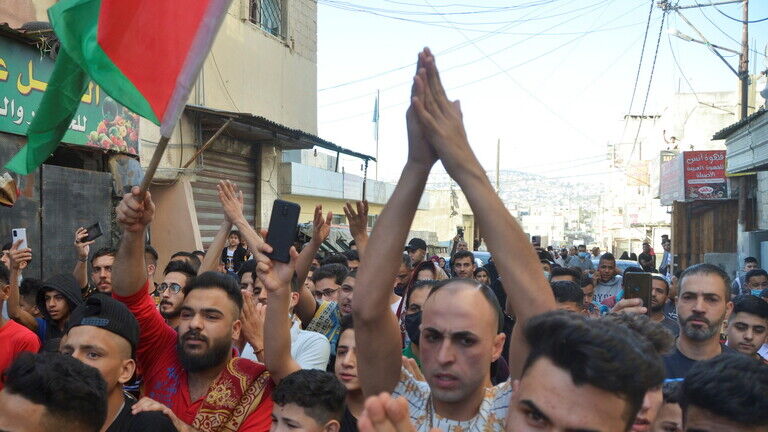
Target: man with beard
x,y
178,274
192,376
702,305
659,297
748,325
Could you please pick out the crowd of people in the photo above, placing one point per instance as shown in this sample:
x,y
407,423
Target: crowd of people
x,y
382,337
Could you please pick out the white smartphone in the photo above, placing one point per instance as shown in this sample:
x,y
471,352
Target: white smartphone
x,y
19,234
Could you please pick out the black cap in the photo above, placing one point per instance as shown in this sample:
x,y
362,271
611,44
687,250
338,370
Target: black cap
x,y
101,310
416,243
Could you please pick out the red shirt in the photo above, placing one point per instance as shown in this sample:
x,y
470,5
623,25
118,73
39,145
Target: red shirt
x,y
14,339
164,378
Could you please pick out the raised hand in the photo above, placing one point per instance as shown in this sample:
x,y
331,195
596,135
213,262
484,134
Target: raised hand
x,y
252,319
357,217
83,248
321,227
383,413
231,199
440,119
19,257
420,150
146,404
274,274
135,213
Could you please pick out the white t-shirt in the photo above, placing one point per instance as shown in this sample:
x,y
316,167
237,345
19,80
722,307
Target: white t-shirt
x,y
309,349
490,417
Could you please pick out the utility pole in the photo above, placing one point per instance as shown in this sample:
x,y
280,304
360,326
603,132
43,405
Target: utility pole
x,y
744,60
498,157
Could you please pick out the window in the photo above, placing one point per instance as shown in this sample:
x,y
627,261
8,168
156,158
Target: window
x,y
268,14
338,220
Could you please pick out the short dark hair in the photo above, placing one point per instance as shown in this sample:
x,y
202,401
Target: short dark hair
x,y
351,255
479,270
634,269
336,271
5,274
320,393
247,267
336,258
707,269
462,254
346,323
194,261
484,289
662,340
180,267
671,392
568,292
198,253
753,273
211,279
105,251
750,304
566,271
29,288
586,280
644,257
731,386
606,257
73,393
237,233
151,251
661,278
599,353
751,260
418,285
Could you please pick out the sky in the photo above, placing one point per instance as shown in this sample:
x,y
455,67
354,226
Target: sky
x,y
551,79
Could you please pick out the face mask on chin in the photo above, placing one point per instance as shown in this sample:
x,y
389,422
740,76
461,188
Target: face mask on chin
x,y
412,323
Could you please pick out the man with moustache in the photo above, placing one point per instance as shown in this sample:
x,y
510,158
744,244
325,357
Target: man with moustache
x,y
178,274
703,303
191,376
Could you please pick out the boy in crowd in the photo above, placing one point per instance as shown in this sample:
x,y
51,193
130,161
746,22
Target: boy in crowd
x,y
568,296
607,281
51,392
748,325
308,400
739,284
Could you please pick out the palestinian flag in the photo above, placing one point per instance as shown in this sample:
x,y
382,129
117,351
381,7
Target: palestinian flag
x,y
146,54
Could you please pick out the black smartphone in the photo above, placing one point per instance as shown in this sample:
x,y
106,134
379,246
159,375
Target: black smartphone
x,y
283,228
638,285
94,232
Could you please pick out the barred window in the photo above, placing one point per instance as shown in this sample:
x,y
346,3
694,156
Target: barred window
x,y
268,14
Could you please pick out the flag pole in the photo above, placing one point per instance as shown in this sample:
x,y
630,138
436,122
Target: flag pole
x,y
150,173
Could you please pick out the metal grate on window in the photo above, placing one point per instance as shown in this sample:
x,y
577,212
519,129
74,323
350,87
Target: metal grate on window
x,y
268,14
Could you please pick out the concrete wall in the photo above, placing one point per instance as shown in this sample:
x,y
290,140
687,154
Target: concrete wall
x,y
440,219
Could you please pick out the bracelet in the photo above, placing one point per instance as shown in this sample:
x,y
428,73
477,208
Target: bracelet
x,y
82,259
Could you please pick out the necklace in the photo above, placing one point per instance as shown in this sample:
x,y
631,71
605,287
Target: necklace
x,y
431,415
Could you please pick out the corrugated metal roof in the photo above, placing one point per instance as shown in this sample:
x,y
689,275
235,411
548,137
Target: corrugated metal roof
x,y
298,138
729,130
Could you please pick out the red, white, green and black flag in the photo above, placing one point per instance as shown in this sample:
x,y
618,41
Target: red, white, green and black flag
x,y
146,54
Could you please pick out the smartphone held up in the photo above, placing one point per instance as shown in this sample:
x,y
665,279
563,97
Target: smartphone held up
x,y
283,228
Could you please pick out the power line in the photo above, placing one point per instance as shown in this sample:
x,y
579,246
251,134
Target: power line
x,y
640,63
701,10
736,19
648,91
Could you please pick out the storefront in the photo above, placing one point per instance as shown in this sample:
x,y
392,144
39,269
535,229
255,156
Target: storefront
x,y
74,187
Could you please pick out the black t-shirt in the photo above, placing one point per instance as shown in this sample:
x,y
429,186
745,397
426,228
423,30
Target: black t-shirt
x,y
348,422
153,421
677,365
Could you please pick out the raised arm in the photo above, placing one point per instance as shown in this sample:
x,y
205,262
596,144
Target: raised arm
x,y
213,254
377,333
134,214
527,290
18,257
83,248
321,228
276,277
357,217
232,202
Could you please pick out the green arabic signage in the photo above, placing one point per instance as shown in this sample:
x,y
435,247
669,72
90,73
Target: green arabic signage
x,y
100,121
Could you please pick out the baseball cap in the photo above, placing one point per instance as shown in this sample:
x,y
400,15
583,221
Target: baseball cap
x,y
100,310
416,243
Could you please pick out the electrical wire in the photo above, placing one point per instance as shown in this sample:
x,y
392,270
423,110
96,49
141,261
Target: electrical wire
x,y
736,19
639,66
648,91
701,10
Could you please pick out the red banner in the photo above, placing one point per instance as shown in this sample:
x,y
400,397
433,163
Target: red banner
x,y
705,175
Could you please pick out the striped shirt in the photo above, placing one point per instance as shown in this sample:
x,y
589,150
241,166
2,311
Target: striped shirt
x,y
490,417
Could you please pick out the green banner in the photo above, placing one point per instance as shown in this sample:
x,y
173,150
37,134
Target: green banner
x,y
99,122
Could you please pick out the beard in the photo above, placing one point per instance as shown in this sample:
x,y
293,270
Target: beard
x,y
657,308
215,355
700,334
173,313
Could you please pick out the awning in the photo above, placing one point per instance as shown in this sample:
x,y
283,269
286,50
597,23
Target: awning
x,y
747,144
255,128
